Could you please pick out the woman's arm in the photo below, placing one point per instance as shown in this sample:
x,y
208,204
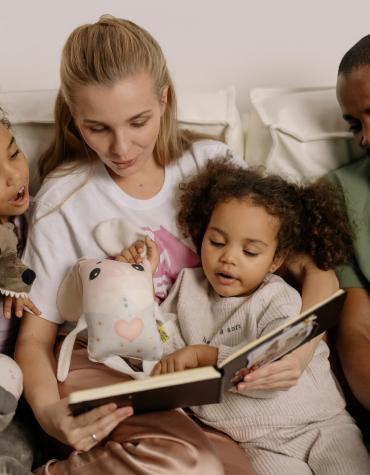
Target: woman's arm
x,y
316,285
34,354
353,343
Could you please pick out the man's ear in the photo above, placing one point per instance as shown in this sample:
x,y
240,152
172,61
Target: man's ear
x,y
277,262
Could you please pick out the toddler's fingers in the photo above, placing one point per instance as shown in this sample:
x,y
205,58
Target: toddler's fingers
x,y
138,252
163,364
171,365
157,369
126,256
150,245
7,307
19,304
31,307
139,247
179,365
152,253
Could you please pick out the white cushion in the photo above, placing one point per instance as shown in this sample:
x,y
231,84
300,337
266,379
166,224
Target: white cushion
x,y
298,132
214,113
31,115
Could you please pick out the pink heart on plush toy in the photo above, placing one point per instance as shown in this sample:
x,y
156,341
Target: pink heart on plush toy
x,y
129,330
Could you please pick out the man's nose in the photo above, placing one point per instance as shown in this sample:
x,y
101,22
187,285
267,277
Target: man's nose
x,y
365,136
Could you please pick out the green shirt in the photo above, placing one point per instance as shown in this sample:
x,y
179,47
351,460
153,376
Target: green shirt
x,y
354,180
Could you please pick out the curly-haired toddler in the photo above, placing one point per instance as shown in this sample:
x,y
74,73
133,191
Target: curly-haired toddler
x,y
244,226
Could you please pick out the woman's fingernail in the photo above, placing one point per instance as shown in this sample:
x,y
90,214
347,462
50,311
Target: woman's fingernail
x,y
125,411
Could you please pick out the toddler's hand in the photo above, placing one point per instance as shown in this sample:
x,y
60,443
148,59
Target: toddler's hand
x,y
135,253
20,306
188,357
177,361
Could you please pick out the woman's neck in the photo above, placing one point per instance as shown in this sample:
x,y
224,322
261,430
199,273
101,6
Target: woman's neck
x,y
144,184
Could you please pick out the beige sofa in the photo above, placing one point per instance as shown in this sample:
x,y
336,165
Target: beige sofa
x,y
296,132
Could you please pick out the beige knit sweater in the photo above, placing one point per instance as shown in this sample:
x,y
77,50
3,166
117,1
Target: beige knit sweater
x,y
199,315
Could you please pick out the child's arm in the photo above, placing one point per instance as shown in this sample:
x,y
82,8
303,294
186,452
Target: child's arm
x,y
192,356
20,306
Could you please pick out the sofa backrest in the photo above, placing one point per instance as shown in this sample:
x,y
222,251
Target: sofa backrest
x,y
32,119
298,132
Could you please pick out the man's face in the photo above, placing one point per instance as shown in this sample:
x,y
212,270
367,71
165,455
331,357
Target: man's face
x,y
353,93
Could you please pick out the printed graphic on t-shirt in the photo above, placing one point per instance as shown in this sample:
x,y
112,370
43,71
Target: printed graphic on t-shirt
x,y
175,255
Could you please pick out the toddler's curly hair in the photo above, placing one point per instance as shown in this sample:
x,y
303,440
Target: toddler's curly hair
x,y
313,218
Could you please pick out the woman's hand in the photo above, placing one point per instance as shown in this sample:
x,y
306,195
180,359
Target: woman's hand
x,y
84,431
188,357
282,374
20,306
135,254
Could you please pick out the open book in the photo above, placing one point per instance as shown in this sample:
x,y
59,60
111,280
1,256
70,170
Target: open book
x,y
205,385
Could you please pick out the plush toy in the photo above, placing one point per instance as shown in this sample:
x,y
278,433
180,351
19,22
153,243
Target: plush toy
x,y
15,278
114,301
15,281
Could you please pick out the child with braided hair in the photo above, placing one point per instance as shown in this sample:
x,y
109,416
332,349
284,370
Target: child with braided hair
x,y
244,229
15,282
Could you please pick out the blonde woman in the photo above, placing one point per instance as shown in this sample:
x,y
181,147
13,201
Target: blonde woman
x,y
118,152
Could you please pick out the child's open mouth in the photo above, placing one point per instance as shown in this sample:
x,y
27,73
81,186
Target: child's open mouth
x,y
20,198
224,278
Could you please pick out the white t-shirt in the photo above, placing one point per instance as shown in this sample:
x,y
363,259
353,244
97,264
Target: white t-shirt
x,y
67,209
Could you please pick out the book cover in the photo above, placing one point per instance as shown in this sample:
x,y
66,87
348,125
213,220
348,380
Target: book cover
x,y
205,385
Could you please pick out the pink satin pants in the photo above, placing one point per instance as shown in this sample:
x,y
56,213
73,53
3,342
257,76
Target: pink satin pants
x,y
163,443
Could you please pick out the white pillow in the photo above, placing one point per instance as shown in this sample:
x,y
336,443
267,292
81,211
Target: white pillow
x,y
213,113
31,115
298,132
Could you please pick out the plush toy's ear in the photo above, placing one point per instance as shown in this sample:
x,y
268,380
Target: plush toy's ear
x,y
69,297
116,234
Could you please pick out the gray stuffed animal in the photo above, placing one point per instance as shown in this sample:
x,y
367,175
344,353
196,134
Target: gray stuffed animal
x,y
15,277
15,281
